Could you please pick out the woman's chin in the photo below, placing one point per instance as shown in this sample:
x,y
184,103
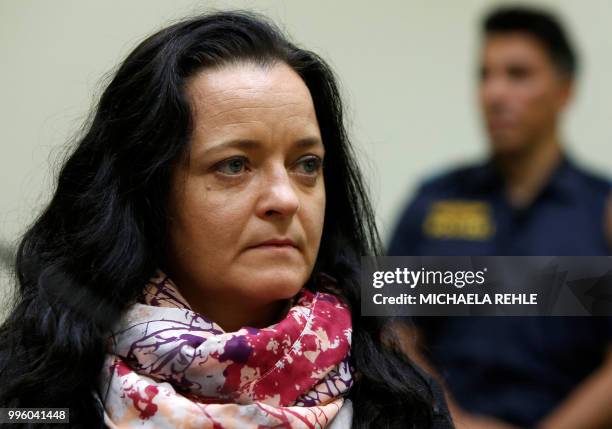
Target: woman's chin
x,y
276,284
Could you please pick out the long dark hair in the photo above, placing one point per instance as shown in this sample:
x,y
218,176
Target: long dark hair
x,y
102,235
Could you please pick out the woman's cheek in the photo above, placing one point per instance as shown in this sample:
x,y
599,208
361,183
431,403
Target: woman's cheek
x,y
313,223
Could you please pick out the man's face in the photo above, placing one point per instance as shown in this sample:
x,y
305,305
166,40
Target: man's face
x,y
521,92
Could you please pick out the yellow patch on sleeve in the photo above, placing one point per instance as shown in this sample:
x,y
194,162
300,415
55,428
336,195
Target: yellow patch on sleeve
x,y
459,220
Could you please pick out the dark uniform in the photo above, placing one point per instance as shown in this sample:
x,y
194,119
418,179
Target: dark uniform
x,y
515,368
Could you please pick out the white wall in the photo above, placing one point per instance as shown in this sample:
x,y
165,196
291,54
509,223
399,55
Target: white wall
x,y
407,70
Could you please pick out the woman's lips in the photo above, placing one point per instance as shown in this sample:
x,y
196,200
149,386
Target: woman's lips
x,y
282,244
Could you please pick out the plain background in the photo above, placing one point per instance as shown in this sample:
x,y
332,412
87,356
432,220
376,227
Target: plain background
x,y
407,71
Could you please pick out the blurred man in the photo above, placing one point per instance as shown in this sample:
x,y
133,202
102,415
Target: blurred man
x,y
529,198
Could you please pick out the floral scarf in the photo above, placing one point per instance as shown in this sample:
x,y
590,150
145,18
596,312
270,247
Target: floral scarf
x,y
170,367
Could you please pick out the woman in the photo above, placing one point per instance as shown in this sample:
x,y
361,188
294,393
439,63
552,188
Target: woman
x,y
197,264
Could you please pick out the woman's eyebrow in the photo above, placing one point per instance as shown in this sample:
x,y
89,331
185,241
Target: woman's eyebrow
x,y
308,142
245,144
236,143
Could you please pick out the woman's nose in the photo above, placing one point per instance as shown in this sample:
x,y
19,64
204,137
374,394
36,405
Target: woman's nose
x,y
278,196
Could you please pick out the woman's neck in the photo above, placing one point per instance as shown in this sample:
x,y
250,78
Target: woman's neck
x,y
232,312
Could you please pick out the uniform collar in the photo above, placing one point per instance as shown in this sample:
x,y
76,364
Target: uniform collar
x,y
561,183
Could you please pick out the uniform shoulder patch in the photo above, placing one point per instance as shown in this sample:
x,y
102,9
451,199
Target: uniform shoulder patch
x,y
459,219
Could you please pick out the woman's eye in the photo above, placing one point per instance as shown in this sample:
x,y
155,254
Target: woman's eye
x,y
310,165
231,166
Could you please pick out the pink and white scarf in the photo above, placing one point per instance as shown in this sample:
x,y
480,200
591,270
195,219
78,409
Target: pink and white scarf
x,y
170,367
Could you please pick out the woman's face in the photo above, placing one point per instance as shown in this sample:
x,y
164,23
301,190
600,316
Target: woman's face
x,y
247,204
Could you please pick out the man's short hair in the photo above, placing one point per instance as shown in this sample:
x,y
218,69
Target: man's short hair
x,y
539,24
